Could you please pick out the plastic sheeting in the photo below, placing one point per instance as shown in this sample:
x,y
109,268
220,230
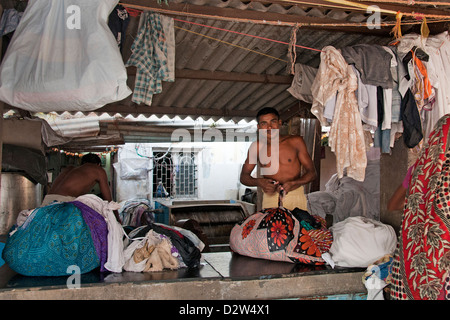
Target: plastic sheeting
x,y
63,57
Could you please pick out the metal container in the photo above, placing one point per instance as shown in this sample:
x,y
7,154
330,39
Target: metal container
x,y
17,193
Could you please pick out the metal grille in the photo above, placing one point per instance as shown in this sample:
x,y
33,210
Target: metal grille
x,y
186,176
175,180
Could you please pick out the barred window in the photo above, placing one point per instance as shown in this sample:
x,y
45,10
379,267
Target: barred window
x,y
186,176
174,175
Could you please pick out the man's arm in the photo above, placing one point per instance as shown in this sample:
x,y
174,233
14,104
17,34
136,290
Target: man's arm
x,y
267,185
309,174
397,201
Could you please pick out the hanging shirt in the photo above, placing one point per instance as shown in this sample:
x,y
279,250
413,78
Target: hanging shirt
x,y
153,54
301,84
372,61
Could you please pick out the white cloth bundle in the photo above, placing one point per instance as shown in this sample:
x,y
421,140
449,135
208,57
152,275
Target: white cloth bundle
x,y
63,57
359,241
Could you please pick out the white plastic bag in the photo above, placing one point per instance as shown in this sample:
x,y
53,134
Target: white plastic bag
x,y
63,57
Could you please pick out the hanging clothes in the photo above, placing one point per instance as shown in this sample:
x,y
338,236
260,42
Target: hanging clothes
x,y
9,21
302,81
372,61
435,59
118,22
153,54
346,137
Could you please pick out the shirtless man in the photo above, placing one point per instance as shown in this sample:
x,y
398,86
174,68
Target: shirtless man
x,y
287,158
76,181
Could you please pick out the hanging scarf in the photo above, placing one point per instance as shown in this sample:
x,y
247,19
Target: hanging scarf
x,y
422,260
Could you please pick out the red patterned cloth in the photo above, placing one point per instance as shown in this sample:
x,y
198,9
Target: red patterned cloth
x,y
422,259
276,234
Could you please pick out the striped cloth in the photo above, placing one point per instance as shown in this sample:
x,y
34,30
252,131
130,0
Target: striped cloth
x,y
153,54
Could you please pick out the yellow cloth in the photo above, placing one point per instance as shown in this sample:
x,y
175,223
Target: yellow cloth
x,y
293,199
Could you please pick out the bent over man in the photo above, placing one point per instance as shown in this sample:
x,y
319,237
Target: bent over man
x,y
76,181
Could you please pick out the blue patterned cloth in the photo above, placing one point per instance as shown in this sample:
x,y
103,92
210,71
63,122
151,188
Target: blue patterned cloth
x,y
53,238
153,54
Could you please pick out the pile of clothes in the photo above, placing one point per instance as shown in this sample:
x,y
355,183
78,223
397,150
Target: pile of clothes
x,y
46,241
137,212
155,247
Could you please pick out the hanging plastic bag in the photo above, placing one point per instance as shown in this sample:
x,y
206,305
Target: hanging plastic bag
x,y
63,57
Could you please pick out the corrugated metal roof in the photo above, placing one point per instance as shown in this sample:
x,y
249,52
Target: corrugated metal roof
x,y
240,100
197,51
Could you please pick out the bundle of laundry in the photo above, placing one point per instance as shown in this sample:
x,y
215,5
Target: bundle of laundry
x,y
47,240
137,212
359,241
67,61
346,197
282,235
152,253
57,236
155,247
377,276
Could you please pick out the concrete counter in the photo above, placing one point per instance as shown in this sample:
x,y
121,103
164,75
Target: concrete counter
x,y
222,275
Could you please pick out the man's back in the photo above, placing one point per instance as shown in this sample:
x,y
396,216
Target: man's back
x,y
80,180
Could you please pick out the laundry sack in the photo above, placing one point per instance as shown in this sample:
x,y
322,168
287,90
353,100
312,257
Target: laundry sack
x,y
280,235
63,57
360,241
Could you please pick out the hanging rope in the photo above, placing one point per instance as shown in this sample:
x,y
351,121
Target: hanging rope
x,y
292,52
397,30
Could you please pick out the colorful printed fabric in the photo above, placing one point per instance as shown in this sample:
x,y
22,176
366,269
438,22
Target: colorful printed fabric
x,y
153,53
99,231
52,239
276,234
422,259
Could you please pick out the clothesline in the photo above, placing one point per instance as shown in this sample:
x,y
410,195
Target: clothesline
x,y
231,44
136,12
245,34
231,31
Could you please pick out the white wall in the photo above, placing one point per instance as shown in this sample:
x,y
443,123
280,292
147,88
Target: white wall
x,y
220,168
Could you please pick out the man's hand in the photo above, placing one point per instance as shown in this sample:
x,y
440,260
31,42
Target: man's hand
x,y
269,186
290,185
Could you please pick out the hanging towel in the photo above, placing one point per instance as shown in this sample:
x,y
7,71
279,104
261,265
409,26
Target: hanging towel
x,y
153,54
346,137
